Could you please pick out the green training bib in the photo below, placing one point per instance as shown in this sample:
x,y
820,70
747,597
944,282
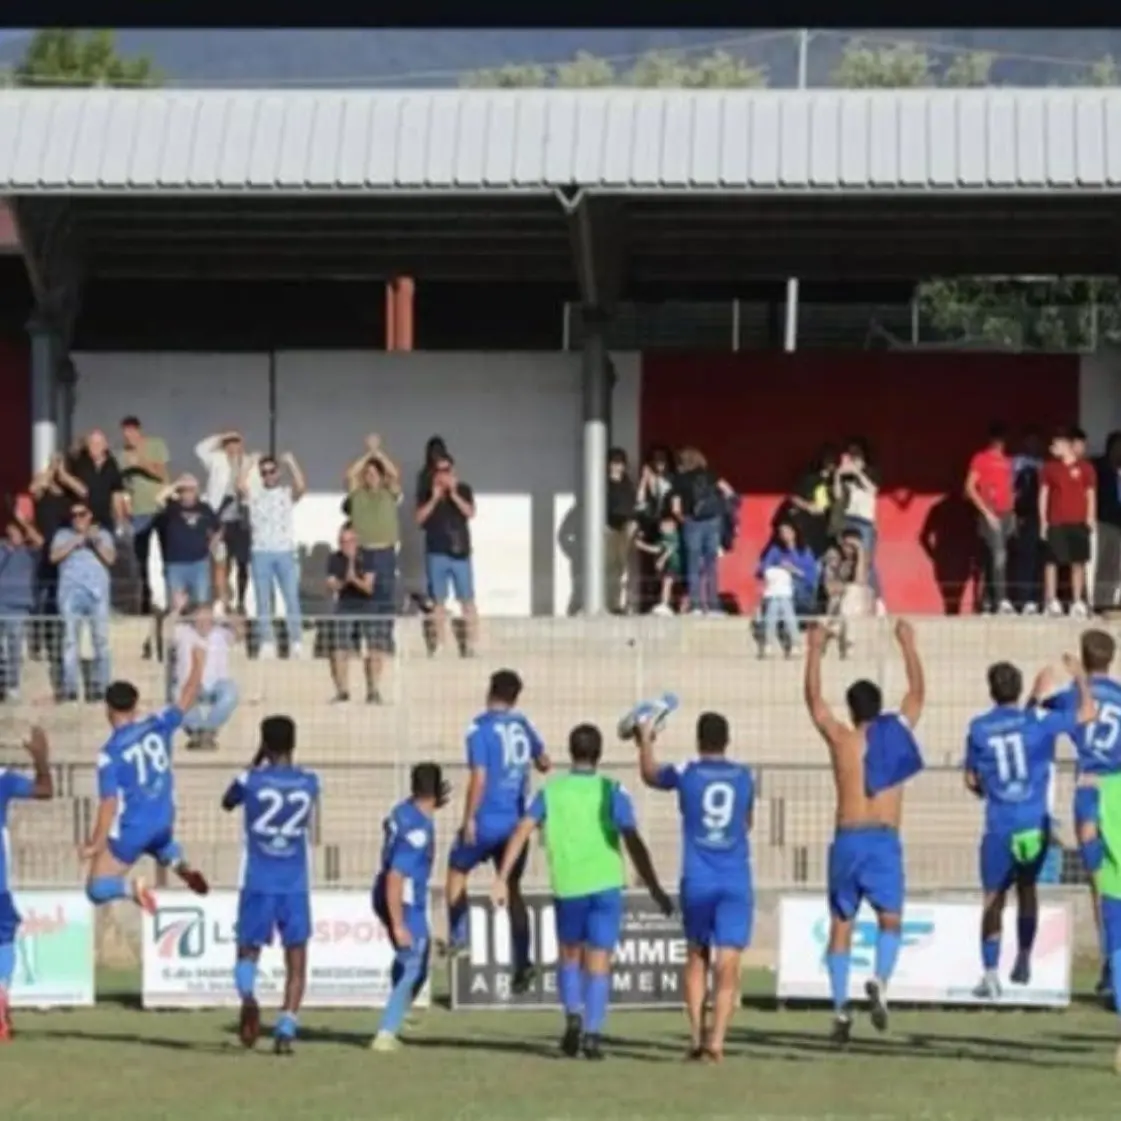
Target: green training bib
x,y
581,842
1027,846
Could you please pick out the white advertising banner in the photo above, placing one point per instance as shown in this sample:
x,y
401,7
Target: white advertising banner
x,y
54,950
190,947
940,960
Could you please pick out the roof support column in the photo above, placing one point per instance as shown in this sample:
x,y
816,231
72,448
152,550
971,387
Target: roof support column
x,y
45,353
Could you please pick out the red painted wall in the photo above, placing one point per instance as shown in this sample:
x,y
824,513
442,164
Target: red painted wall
x,y
760,418
15,417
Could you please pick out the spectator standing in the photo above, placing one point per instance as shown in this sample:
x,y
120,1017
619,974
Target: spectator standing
x,y
144,472
1067,511
444,511
699,501
622,503
19,565
665,555
856,486
93,477
434,451
273,558
1107,552
356,629
654,501
844,580
85,554
808,508
1027,469
373,506
189,530
990,489
52,511
789,573
223,456
197,629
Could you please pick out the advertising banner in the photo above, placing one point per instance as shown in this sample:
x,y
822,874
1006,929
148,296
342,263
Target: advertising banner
x,y
939,962
54,950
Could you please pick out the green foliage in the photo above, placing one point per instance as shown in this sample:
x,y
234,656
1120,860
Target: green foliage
x,y
81,58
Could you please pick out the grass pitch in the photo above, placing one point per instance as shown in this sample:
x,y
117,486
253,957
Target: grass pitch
x,y
118,1063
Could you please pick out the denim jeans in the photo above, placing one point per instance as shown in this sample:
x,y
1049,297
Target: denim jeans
x,y
779,610
996,543
213,708
77,605
12,625
701,538
868,539
283,569
191,577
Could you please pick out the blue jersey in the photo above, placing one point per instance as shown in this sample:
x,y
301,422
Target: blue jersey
x,y
277,803
1097,745
714,797
1011,750
409,849
135,768
504,744
12,785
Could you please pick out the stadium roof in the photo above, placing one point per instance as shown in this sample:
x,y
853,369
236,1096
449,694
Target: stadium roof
x,y
619,140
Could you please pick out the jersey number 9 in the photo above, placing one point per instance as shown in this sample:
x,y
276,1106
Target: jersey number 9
x,y
717,804
147,758
274,803
515,745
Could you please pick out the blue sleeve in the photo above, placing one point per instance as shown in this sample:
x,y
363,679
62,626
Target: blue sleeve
x,y
1064,701
408,851
1061,722
170,719
622,811
536,743
106,776
970,762
313,787
235,794
668,777
15,785
807,568
476,747
766,560
749,789
537,807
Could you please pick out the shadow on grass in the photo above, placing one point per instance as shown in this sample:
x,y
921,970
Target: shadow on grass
x,y
133,1038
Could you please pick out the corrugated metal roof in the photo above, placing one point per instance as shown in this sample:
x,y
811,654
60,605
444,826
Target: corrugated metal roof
x,y
114,141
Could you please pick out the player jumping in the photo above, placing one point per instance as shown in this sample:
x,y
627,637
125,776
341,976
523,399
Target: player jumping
x,y
15,786
871,761
502,745
278,799
1009,762
1098,754
136,787
715,798
587,819
401,894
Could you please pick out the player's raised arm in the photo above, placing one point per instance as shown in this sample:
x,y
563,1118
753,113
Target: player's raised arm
x,y
911,705
1043,689
39,748
190,691
820,713
1087,708
653,775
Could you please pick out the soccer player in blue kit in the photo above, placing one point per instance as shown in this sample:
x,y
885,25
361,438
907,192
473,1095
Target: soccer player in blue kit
x,y
715,796
872,759
277,798
1097,748
400,894
136,788
1009,763
13,786
502,746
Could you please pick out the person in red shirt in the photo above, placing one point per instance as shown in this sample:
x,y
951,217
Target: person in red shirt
x,y
990,490
1067,512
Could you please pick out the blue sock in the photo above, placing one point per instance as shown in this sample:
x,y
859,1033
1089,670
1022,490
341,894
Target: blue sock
x,y
401,997
286,1025
570,985
457,922
888,945
1093,855
1111,935
990,953
838,966
7,964
107,889
245,977
1026,926
597,993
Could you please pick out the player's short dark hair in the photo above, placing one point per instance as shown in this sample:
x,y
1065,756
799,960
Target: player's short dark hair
x,y
712,732
585,744
1006,683
505,687
278,736
122,696
865,700
426,780
1098,651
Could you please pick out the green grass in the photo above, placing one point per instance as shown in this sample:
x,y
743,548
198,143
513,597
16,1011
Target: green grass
x,y
117,1063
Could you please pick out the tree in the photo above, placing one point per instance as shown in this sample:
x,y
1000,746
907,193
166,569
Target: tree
x,y
77,58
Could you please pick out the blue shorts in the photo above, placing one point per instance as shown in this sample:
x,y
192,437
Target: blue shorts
x,y
490,844
865,862
416,919
260,915
10,919
717,918
136,841
590,920
1087,805
998,864
446,574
